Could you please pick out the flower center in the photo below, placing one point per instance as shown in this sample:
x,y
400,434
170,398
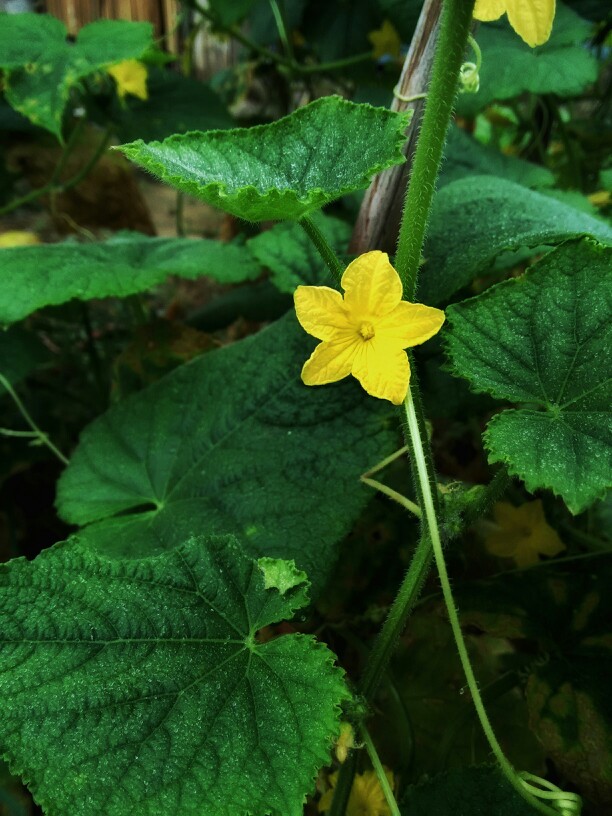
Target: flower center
x,y
366,330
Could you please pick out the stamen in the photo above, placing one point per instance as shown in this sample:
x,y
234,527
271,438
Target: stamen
x,y
366,330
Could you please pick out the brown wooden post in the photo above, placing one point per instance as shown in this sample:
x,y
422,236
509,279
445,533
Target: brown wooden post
x,y
379,218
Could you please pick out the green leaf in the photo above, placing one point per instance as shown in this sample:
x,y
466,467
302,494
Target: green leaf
x,y
20,353
562,66
150,676
289,254
474,791
545,340
489,216
41,67
231,442
176,104
37,276
465,156
284,170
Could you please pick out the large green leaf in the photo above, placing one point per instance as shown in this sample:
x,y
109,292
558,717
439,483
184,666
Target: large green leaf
x,y
545,340
466,156
37,276
231,442
568,614
561,66
487,216
289,254
283,170
141,687
41,67
473,791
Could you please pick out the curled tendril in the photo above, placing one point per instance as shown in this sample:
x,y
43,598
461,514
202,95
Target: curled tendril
x,y
469,73
469,78
564,802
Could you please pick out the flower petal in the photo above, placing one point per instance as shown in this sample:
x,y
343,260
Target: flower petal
x,y
383,370
330,362
372,286
321,312
410,324
487,10
531,19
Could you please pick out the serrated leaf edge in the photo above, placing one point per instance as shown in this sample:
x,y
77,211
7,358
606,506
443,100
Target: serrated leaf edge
x,y
317,196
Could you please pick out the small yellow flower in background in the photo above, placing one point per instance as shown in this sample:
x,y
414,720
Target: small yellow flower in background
x,y
365,333
522,533
385,41
531,19
18,238
131,78
366,798
601,198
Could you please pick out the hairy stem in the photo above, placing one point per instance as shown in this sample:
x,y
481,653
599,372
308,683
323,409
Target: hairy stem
x,y
450,48
434,534
380,772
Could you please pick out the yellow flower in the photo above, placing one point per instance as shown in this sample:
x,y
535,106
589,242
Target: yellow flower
x,y
365,333
385,41
366,798
131,78
522,533
17,238
531,19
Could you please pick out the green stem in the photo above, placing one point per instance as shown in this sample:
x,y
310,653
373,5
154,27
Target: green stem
x,y
434,533
40,435
380,772
403,604
450,48
342,791
323,247
336,65
492,493
237,34
53,186
279,19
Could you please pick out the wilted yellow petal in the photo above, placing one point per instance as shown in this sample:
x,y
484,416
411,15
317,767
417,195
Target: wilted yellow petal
x,y
410,324
531,19
131,78
372,286
487,10
321,312
382,369
330,362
